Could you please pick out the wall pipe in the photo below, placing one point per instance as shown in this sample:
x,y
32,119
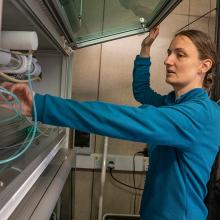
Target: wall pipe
x,y
103,174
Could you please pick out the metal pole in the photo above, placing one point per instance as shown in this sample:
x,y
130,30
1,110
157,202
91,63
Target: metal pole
x,y
104,165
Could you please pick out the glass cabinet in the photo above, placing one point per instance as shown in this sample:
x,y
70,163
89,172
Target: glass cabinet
x,y
90,22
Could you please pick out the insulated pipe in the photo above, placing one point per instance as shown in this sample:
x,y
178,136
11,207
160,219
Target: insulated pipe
x,y
19,40
103,174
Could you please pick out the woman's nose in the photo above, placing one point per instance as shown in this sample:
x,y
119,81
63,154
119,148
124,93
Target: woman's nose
x,y
168,60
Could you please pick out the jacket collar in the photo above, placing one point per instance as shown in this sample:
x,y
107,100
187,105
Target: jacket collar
x,y
196,93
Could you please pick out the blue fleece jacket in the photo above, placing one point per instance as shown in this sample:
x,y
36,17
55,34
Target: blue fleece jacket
x,y
182,135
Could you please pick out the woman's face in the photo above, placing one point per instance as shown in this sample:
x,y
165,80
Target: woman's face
x,y
183,66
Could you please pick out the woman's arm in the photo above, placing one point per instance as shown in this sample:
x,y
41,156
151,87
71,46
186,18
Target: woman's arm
x,y
141,83
178,126
170,126
141,73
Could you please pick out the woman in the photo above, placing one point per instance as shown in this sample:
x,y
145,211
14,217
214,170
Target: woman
x,y
181,128
191,58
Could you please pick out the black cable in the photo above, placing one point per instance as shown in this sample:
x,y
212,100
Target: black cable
x,y
98,97
214,9
189,13
144,152
133,187
110,169
92,192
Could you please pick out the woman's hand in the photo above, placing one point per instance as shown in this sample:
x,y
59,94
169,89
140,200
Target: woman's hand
x,y
148,41
24,95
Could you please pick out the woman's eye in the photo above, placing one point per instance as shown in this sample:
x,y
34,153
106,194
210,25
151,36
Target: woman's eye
x,y
180,55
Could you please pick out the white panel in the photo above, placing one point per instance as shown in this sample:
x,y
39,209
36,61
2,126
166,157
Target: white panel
x,y
121,162
51,74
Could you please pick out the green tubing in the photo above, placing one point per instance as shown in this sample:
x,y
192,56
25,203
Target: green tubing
x,y
31,133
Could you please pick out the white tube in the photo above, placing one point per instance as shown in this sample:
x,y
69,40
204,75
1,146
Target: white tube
x,y
5,57
104,165
19,40
18,70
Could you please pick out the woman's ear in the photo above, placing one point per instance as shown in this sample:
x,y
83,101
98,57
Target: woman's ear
x,y
206,65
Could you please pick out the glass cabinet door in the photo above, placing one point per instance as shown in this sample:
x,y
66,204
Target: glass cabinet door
x,y
94,21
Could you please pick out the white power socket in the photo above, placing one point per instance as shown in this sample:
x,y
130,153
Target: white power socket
x,y
97,161
111,162
98,158
145,163
118,162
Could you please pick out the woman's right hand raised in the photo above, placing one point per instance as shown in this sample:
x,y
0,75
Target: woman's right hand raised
x,y
148,41
24,94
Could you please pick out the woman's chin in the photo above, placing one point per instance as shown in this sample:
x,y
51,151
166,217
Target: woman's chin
x,y
169,80
172,82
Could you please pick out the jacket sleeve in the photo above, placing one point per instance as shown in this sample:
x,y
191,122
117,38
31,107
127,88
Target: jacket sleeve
x,y
170,126
141,83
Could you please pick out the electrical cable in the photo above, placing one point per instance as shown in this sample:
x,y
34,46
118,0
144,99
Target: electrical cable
x,y
189,9
97,98
133,174
124,184
214,9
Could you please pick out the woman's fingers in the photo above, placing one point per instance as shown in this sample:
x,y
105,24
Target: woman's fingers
x,y
4,88
24,95
11,106
154,32
6,85
148,41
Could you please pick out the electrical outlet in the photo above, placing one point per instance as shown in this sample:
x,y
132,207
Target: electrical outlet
x,y
118,162
97,161
111,165
111,159
111,162
145,163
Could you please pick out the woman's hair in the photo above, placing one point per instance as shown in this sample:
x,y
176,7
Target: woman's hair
x,y
206,49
